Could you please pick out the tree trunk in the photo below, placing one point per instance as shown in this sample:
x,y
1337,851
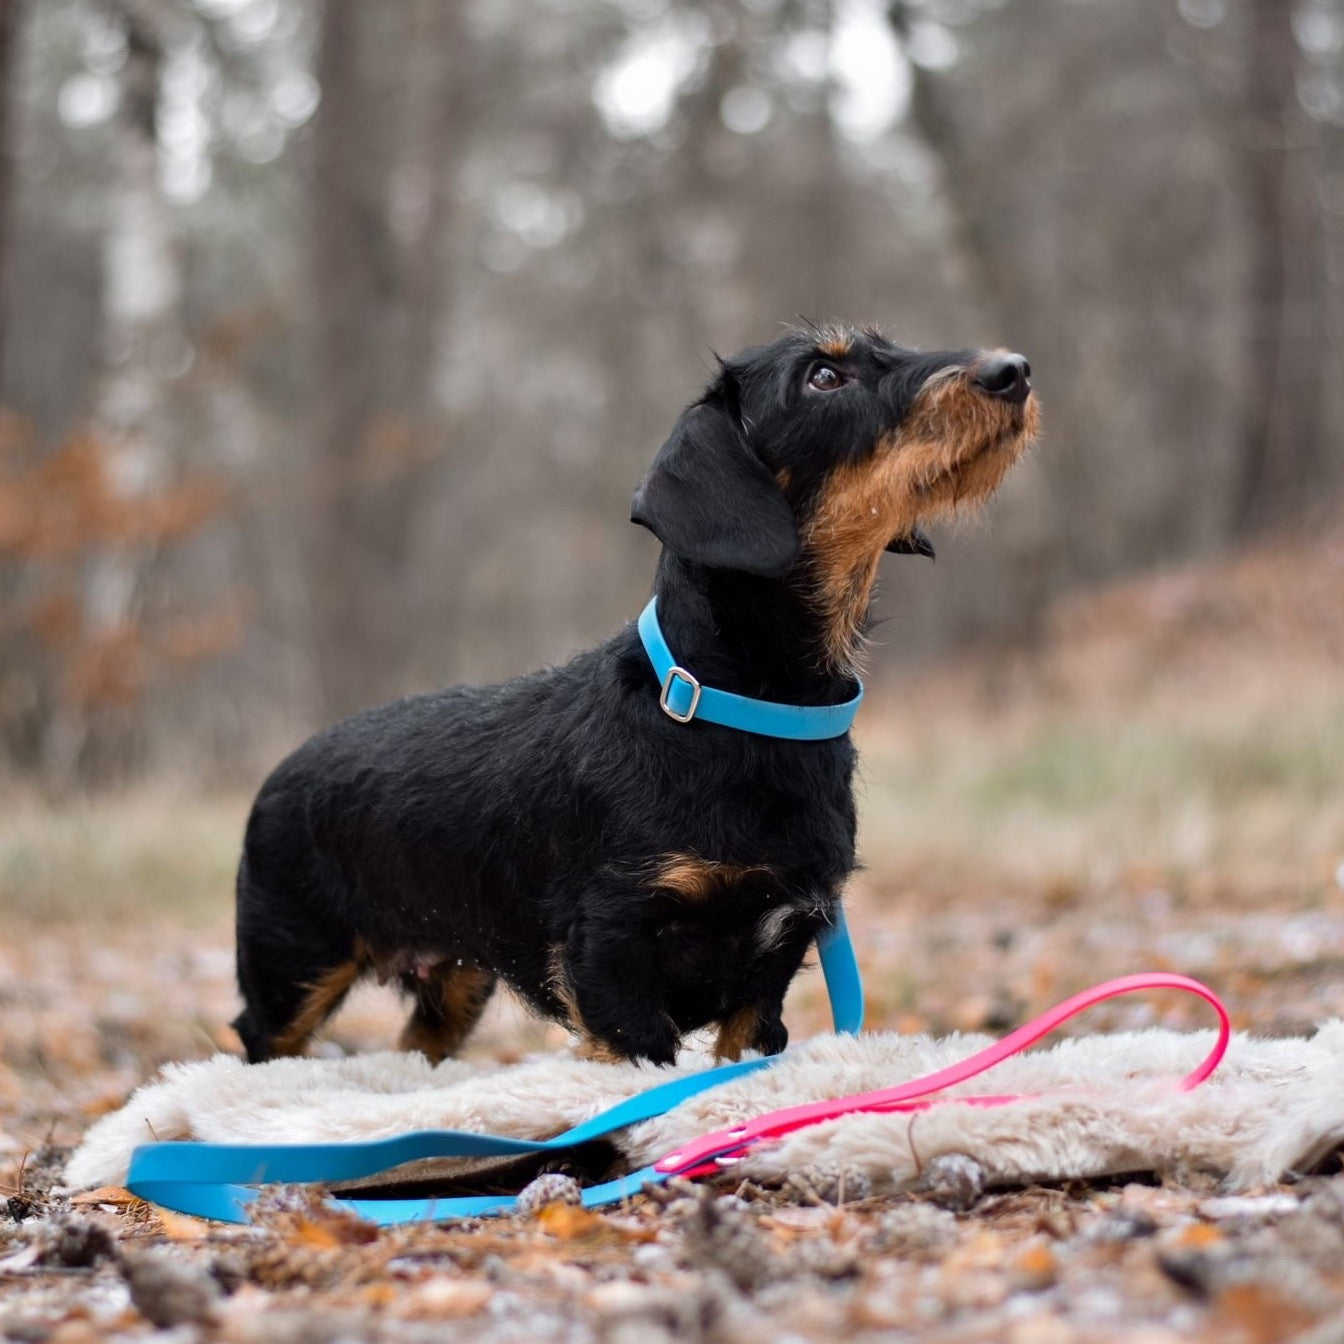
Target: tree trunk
x,y
377,294
1280,447
132,414
11,12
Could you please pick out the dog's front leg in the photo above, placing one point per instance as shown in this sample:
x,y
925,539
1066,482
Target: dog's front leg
x,y
759,1023
613,988
758,1026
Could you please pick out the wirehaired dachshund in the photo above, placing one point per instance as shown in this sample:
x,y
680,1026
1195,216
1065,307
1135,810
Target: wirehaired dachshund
x,y
627,874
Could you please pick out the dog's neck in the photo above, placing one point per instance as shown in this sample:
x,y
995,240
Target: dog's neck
x,y
750,635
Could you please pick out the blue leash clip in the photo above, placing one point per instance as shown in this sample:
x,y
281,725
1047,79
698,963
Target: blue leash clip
x,y
218,1180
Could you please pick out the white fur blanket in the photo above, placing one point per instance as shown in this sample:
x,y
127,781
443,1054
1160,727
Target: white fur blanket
x,y
1099,1105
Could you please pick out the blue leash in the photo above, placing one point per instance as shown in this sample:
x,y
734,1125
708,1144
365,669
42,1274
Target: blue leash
x,y
215,1180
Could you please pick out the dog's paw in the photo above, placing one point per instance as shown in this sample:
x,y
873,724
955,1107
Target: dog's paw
x,y
771,1037
656,1040
628,1044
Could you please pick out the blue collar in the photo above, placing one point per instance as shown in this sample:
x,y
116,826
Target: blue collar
x,y
683,698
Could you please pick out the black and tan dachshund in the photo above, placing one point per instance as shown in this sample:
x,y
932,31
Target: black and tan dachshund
x,y
633,876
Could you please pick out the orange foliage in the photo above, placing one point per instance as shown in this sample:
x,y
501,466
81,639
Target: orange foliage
x,y
200,637
111,668
67,505
64,507
55,618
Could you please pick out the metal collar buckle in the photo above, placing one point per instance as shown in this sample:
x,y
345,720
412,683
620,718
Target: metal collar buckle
x,y
679,672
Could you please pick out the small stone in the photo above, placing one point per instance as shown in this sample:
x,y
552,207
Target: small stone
x,y
652,1257
168,1292
1196,1257
832,1183
824,1258
638,1331
76,1242
76,1332
1040,1330
725,1239
952,1181
915,1227
496,1269
26,1329
1122,1224
1248,1207
444,1298
623,1298
975,1290
971,1013
551,1188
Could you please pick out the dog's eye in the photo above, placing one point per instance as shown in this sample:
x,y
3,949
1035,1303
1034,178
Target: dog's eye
x,y
824,378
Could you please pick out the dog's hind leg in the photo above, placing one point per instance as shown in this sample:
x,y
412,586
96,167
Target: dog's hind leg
x,y
449,1001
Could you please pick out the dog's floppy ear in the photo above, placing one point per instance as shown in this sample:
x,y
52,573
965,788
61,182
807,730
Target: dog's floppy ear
x,y
709,498
914,542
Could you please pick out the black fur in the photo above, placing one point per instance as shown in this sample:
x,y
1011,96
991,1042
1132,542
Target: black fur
x,y
522,828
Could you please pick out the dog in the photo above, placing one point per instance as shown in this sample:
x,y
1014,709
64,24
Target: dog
x,y
626,872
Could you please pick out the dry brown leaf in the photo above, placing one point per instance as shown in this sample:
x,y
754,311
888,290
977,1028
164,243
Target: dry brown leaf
x,y
322,1227
104,1104
1258,1314
1197,1236
1034,1268
316,1235
379,1296
984,1249
570,1222
182,1227
107,1194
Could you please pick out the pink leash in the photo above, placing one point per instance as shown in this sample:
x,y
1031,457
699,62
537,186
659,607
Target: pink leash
x,y
709,1154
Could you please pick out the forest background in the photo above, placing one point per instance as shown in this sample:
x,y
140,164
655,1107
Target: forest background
x,y
336,335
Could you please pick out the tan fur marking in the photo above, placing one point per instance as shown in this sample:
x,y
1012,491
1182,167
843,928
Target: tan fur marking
x,y
563,990
324,994
835,347
590,1047
695,879
463,992
952,451
736,1034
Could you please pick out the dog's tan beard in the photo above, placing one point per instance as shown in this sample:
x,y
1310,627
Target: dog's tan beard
x,y
951,452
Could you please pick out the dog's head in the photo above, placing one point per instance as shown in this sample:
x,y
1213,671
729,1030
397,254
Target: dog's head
x,y
806,458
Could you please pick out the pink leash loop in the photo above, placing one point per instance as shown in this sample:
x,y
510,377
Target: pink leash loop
x,y
726,1146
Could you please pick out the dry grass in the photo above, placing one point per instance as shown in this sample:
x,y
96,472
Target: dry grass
x,y
112,858
1191,723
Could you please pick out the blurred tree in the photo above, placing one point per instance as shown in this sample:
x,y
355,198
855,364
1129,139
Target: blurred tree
x,y
423,284
378,292
9,27
1281,467
1138,204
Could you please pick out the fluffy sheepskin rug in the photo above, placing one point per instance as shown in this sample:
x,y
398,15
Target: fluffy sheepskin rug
x,y
1093,1106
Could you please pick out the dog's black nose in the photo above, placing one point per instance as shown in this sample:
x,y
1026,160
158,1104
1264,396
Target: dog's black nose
x,y
1005,376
